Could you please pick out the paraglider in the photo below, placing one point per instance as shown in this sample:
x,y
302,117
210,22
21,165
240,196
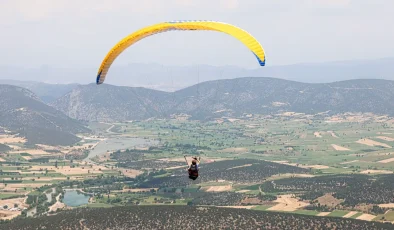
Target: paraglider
x,y
248,40
193,168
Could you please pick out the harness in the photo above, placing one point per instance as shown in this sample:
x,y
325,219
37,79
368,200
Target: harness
x,y
193,170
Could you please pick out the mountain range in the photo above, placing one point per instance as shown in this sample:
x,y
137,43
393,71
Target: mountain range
x,y
46,92
172,78
231,97
58,120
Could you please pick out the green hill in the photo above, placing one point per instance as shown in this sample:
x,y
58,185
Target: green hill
x,y
23,112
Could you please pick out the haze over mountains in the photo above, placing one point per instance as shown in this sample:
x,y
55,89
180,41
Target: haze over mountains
x,y
56,108
171,78
234,97
46,92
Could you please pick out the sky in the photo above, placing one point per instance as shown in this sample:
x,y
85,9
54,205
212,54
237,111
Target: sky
x,y
78,34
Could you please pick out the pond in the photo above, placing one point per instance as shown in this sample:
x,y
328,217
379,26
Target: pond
x,y
75,198
114,144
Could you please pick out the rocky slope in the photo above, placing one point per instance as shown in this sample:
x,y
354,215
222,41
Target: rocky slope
x,y
228,98
21,111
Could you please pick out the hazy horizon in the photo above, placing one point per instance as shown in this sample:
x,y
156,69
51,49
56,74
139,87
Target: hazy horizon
x,y
65,41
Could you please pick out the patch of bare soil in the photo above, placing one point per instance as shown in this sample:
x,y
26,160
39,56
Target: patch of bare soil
x,y
242,191
219,121
369,142
387,160
302,166
385,138
349,162
14,147
4,139
287,203
328,200
317,134
388,205
376,172
232,120
8,215
315,166
350,214
367,217
67,170
18,186
332,134
234,150
58,205
130,172
27,157
219,188
32,151
10,202
339,148
323,213
240,207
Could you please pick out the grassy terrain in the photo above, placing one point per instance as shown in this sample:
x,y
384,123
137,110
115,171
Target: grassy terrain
x,y
338,213
356,215
389,216
307,212
270,136
261,207
234,153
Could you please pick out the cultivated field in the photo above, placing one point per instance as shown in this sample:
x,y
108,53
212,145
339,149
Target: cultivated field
x,y
313,165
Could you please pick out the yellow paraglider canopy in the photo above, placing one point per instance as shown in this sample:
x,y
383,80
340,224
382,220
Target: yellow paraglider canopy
x,y
234,31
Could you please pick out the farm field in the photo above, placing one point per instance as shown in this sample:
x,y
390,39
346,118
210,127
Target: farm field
x,y
263,163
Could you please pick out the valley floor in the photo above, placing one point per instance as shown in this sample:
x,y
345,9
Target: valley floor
x,y
261,163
